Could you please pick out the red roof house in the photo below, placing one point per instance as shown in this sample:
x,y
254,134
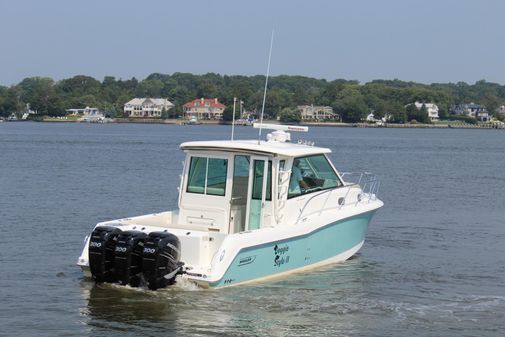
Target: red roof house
x,y
204,108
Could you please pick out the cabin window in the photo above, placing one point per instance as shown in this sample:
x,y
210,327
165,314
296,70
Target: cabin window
x,y
310,174
216,176
197,174
207,176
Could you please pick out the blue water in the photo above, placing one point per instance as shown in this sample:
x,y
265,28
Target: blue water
x,y
433,263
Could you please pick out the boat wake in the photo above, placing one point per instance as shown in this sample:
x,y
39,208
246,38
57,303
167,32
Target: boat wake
x,y
469,309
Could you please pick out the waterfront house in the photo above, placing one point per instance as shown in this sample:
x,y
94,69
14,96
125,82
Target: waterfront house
x,y
484,116
476,111
501,110
203,108
147,107
317,112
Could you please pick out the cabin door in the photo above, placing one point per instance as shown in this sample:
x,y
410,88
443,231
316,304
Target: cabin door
x,y
257,191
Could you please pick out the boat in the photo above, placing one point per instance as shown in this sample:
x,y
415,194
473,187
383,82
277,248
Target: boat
x,y
192,121
248,211
244,122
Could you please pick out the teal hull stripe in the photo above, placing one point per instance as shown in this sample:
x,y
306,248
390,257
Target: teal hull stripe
x,y
284,255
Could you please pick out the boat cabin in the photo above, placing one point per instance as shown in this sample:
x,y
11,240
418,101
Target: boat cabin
x,y
237,186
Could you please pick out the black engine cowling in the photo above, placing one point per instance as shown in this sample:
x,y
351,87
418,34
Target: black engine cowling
x,y
102,244
160,262
128,257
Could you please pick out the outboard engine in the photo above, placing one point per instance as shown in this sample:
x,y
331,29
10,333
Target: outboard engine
x,y
160,262
102,244
128,257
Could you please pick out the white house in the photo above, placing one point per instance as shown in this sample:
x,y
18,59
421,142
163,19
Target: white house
x,y
147,107
316,112
472,110
431,108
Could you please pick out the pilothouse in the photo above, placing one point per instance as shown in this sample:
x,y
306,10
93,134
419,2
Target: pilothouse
x,y
247,210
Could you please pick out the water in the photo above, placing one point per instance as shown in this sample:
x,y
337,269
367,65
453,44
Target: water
x,y
433,263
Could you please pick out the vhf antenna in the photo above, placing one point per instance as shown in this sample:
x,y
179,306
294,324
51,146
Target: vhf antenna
x,y
266,84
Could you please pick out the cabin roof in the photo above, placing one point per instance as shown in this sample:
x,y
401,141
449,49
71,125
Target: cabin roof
x,y
252,146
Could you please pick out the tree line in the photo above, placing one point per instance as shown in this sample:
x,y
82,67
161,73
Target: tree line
x,y
350,99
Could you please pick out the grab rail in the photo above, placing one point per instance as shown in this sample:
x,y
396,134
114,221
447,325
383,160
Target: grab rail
x,y
368,182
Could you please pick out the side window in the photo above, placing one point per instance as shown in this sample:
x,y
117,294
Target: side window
x,y
197,174
207,176
310,174
216,176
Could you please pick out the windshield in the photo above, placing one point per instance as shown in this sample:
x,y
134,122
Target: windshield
x,y
310,174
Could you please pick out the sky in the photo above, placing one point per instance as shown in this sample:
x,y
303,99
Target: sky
x,y
424,41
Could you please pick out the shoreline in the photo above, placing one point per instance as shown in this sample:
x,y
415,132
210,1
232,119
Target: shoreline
x,y
312,124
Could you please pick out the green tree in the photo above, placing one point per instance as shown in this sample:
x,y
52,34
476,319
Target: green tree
x,y
150,88
290,115
228,112
80,85
86,100
40,93
418,115
351,104
352,100
276,100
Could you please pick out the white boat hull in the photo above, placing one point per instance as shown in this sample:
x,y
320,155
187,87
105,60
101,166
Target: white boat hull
x,y
330,243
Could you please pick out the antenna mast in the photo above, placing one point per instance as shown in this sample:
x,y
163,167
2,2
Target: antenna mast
x,y
266,84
